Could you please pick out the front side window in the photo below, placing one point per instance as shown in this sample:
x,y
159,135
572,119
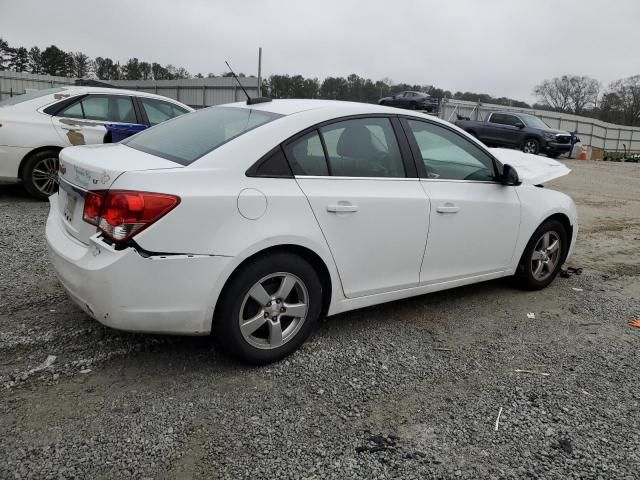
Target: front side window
x,y
188,137
104,108
158,111
449,156
363,147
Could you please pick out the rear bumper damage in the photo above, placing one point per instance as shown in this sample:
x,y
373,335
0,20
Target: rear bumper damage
x,y
169,294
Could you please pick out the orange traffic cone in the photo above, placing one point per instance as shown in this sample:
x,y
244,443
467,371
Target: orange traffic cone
x,y
583,154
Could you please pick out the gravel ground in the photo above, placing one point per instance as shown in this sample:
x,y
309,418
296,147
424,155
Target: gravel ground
x,y
410,389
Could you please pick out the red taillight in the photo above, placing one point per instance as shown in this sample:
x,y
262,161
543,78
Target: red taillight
x,y
93,205
120,214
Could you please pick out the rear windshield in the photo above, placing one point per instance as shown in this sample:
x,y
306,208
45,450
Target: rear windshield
x,y
29,96
189,137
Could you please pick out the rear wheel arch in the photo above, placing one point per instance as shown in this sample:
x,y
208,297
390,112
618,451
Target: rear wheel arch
x,y
303,252
49,148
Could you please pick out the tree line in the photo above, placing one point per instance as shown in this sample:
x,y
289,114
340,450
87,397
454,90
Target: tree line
x,y
582,95
618,103
359,89
55,61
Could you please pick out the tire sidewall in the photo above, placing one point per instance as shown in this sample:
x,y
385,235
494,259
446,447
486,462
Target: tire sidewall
x,y
226,327
524,273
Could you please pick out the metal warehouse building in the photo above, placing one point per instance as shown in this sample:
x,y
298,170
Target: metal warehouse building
x,y
197,92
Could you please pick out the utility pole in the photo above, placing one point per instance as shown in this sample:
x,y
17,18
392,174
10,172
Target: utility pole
x,y
259,71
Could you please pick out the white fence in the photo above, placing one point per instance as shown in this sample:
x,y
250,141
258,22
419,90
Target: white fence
x,y
591,131
17,83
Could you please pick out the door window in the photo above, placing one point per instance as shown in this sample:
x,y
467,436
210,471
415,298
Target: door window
x,y
158,111
364,147
449,156
105,108
504,119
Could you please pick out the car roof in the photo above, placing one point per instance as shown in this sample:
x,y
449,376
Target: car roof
x,y
293,106
72,89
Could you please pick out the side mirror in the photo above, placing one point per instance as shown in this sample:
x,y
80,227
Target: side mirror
x,y
509,176
519,124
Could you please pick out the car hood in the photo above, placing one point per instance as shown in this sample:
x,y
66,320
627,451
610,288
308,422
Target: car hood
x,y
556,132
532,169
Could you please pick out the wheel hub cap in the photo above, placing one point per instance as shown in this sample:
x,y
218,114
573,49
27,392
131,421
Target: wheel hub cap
x,y
273,310
546,255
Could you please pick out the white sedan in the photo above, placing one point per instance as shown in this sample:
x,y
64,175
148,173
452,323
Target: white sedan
x,y
252,221
34,127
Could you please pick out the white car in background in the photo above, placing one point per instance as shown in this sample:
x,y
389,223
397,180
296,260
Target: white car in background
x,y
34,127
252,221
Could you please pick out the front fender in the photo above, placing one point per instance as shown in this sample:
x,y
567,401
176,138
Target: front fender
x,y
537,205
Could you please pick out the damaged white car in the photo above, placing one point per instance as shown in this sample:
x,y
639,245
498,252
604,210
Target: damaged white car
x,y
251,221
34,127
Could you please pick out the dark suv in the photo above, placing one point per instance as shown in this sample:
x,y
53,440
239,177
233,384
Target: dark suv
x,y
519,130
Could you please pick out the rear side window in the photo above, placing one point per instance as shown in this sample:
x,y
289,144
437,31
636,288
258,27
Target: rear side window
x,y
104,108
189,137
158,111
365,147
504,119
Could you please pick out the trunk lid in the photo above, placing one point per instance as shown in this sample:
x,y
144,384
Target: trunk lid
x,y
96,167
532,169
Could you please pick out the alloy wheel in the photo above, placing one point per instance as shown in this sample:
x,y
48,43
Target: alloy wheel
x,y
273,310
530,146
45,175
546,255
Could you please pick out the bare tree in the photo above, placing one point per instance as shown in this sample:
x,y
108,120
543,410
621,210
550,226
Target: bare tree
x,y
624,95
555,93
584,93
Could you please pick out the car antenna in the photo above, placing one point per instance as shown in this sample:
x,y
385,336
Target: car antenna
x,y
250,101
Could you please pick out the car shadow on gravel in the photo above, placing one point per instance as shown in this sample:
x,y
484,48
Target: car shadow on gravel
x,y
15,193
160,352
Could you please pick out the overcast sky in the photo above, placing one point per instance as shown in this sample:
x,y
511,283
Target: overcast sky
x,y
500,47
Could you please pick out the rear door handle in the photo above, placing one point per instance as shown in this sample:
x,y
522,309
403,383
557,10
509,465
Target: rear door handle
x,y
447,208
342,208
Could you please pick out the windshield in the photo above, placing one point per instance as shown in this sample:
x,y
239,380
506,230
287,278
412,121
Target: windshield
x,y
532,121
189,137
29,96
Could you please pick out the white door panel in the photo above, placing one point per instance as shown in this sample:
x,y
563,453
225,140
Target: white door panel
x,y
376,230
76,131
473,229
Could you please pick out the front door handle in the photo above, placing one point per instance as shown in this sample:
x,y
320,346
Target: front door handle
x,y
447,208
342,208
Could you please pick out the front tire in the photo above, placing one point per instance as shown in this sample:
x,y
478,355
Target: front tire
x,y
40,174
543,256
531,145
268,309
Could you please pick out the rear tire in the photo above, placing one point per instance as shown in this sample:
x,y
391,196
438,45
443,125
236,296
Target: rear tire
x,y
40,174
252,322
540,261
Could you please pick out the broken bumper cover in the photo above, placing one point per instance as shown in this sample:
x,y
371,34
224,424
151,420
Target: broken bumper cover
x,y
169,294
